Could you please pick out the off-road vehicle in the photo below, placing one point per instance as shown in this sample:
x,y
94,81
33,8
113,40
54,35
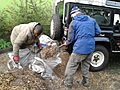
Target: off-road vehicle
x,y
107,15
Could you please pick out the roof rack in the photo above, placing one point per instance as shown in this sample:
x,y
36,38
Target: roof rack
x,y
115,3
106,3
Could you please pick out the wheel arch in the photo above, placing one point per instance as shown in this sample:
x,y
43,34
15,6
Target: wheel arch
x,y
104,42
103,59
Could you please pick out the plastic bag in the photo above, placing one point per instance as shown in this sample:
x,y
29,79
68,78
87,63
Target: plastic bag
x,y
36,64
45,67
46,41
53,61
25,58
12,65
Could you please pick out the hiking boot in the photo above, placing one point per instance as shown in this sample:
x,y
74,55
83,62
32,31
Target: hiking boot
x,y
84,82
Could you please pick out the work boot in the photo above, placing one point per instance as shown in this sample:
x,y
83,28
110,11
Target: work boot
x,y
84,82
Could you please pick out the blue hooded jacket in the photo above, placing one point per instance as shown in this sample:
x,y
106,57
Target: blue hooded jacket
x,y
82,31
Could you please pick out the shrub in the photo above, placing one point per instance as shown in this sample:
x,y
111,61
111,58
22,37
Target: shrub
x,y
24,11
4,44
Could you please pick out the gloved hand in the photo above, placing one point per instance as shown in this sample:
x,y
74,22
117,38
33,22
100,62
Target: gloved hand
x,y
16,59
37,44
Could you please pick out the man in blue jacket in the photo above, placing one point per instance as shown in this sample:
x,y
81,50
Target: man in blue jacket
x,y
82,31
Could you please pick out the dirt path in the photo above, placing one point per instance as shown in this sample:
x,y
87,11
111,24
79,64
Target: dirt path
x,y
108,79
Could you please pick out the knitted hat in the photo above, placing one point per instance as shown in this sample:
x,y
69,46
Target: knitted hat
x,y
75,10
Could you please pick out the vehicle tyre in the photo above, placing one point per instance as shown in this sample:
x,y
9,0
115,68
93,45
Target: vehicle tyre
x,y
56,30
99,59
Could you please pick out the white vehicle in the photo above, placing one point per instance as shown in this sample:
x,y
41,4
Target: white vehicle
x,y
108,42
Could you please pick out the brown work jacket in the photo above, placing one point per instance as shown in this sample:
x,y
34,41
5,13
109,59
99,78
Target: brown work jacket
x,y
22,35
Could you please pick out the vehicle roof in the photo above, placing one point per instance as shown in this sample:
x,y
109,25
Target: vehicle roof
x,y
94,2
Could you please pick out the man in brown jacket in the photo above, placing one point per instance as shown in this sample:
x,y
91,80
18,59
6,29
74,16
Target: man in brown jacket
x,y
24,35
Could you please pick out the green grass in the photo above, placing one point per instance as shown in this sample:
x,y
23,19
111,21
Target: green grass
x,y
4,3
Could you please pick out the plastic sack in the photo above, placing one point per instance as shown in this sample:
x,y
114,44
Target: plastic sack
x,y
46,41
37,65
25,58
44,67
53,61
12,65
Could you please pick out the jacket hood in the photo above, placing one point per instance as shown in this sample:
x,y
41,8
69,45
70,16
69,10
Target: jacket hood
x,y
32,25
81,18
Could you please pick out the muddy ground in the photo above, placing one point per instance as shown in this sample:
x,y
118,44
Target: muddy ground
x,y
108,79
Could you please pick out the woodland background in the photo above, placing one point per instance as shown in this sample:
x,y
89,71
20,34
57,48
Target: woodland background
x,y
14,12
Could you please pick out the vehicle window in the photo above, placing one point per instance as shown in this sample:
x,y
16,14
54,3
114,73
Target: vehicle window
x,y
102,16
116,23
116,19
